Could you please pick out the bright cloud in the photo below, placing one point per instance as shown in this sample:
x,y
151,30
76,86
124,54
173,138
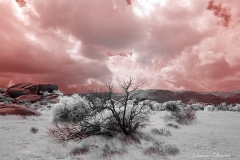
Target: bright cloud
x,y
163,44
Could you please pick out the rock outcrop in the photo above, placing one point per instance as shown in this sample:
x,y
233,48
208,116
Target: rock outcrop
x,y
28,97
17,110
22,89
25,98
29,88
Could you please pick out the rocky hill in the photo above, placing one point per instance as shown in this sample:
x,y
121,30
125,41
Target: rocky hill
x,y
185,96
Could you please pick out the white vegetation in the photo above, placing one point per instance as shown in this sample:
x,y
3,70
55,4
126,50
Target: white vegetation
x,y
212,132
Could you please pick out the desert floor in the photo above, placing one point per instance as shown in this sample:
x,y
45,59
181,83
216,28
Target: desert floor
x,y
212,136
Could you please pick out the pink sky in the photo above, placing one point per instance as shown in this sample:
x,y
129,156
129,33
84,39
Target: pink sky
x,y
163,44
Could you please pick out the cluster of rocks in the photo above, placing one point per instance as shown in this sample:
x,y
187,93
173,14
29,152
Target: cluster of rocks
x,y
25,98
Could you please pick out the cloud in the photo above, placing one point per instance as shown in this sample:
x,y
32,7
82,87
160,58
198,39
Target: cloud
x,y
220,11
80,44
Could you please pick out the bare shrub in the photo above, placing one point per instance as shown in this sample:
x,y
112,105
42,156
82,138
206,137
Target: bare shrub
x,y
79,150
74,131
81,117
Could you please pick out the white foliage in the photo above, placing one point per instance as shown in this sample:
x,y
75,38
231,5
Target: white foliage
x,y
70,107
209,108
58,92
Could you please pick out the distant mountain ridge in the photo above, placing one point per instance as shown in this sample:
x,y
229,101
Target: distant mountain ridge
x,y
185,96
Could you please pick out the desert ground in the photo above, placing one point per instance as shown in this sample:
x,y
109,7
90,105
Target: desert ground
x,y
213,135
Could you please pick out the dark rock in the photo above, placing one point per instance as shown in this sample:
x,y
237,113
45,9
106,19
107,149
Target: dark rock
x,y
28,97
17,110
47,87
22,89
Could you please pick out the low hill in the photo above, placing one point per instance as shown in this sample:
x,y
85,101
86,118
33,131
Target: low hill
x,y
205,97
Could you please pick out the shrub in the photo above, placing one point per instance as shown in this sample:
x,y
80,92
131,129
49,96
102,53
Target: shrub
x,y
43,102
35,106
184,116
80,118
172,106
71,109
161,131
171,149
222,106
195,106
170,124
144,136
33,130
24,102
110,151
236,107
156,148
157,106
79,150
209,108
58,92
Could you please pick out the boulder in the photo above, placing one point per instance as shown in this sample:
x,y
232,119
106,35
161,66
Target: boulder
x,y
28,97
47,87
22,89
17,110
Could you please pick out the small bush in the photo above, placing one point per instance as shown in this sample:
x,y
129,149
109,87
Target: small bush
x,y
196,106
70,109
43,102
129,139
172,106
170,124
162,131
110,151
171,149
35,106
157,106
156,148
79,150
222,106
190,114
209,108
236,108
185,116
33,130
144,136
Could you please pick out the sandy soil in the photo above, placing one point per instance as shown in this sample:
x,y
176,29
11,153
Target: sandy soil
x,y
213,136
